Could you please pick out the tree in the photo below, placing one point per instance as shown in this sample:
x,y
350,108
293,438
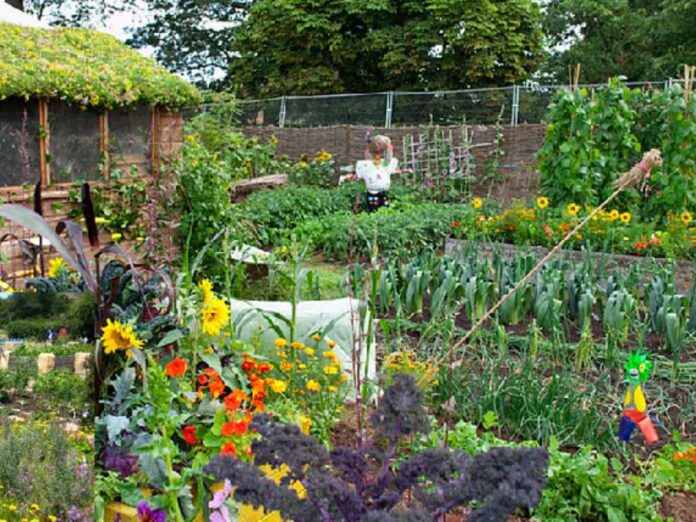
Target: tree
x,y
320,46
192,37
639,39
74,13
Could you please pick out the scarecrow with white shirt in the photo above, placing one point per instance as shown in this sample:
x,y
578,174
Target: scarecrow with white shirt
x,y
376,170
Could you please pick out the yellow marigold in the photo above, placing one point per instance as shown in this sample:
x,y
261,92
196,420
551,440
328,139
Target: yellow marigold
x,y
477,203
331,370
56,267
625,217
285,366
330,354
573,209
280,342
542,202
316,337
686,217
297,345
214,315
309,351
279,386
117,336
206,288
313,386
305,423
302,366
331,344
332,389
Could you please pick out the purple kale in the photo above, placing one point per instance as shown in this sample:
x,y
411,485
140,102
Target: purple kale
x,y
118,459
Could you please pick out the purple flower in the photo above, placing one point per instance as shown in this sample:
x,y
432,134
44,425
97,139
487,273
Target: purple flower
x,y
147,514
220,512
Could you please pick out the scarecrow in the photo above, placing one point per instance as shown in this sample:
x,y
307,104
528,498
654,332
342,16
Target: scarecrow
x,y
637,372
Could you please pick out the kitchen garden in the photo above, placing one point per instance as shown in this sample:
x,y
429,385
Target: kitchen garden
x,y
200,420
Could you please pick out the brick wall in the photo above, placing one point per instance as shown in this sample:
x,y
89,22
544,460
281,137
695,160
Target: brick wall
x,y
347,144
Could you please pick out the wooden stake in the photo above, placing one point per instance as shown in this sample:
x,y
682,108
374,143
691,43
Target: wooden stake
x,y
44,167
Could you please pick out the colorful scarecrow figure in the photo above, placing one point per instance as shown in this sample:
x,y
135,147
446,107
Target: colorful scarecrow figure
x,y
637,372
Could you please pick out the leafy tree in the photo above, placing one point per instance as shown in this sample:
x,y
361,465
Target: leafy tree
x,y
191,36
72,13
639,39
319,46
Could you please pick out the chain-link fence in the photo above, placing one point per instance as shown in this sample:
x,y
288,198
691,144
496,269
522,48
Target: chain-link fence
x,y
515,104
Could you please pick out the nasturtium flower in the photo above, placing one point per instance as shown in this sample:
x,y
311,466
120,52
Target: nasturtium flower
x,y
229,449
235,399
117,336
573,209
206,288
477,203
313,386
625,217
56,267
188,433
542,202
264,367
214,315
234,428
686,217
176,368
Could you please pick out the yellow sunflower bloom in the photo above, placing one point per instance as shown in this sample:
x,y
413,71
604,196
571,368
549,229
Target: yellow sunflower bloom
x,y
573,209
324,156
56,267
477,203
117,336
625,217
686,217
214,315
542,202
614,215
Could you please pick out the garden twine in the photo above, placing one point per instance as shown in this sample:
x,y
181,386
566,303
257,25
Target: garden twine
x,y
639,173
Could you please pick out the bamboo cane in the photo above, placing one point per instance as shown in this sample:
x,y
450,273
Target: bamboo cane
x,y
637,174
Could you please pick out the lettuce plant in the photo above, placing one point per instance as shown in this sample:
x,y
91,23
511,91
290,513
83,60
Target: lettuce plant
x,y
364,484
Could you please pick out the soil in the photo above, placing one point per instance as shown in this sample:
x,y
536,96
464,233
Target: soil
x,y
680,506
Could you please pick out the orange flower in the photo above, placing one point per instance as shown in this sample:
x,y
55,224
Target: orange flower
x,y
264,368
229,449
248,365
176,368
216,388
235,428
235,399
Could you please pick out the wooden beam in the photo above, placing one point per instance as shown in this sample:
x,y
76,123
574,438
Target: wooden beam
x,y
44,166
154,140
104,144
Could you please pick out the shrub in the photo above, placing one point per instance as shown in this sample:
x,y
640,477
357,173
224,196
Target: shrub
x,y
81,317
63,390
36,329
30,305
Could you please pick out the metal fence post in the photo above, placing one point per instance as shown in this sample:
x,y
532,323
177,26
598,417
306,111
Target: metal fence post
x,y
283,111
515,105
390,107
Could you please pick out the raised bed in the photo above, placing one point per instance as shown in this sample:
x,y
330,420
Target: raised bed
x,y
683,276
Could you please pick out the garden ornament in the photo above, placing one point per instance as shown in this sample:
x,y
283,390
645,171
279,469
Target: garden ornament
x,y
637,372
639,173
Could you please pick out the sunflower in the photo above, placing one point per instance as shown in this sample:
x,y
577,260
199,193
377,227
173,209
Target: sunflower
x,y
214,314
206,288
324,156
686,217
117,336
542,202
477,203
625,217
573,209
614,215
56,267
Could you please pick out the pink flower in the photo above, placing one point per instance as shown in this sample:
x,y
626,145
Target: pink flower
x,y
219,511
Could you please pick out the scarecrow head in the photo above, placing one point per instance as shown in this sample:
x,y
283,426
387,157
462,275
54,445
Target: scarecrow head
x,y
638,368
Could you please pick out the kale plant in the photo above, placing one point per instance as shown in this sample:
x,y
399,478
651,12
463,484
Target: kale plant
x,y
363,485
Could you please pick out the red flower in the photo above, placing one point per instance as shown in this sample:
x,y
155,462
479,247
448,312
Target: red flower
x,y
202,380
264,368
235,428
455,224
189,434
234,400
229,449
252,377
176,368
248,365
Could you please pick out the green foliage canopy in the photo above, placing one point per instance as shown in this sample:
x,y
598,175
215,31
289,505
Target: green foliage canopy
x,y
84,67
320,46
